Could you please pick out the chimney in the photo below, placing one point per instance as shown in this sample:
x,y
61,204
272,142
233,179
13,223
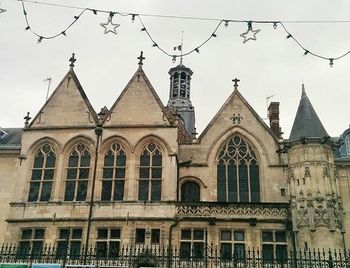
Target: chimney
x,y
274,116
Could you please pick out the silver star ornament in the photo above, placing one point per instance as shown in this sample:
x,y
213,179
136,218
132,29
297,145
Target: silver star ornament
x,y
110,27
250,34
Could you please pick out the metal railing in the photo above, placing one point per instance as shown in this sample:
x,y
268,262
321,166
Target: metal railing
x,y
158,256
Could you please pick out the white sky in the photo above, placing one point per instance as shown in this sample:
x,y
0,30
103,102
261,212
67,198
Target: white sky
x,y
272,65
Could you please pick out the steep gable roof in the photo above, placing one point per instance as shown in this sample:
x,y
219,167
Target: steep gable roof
x,y
227,105
68,106
306,123
138,105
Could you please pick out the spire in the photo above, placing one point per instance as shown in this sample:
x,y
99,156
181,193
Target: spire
x,y
306,123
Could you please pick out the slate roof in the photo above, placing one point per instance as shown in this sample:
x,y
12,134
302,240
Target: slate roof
x,y
12,140
306,122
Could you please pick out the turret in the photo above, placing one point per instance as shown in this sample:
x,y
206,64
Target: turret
x,y
179,98
316,206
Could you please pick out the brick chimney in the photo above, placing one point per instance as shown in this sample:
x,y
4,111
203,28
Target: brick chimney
x,y
274,116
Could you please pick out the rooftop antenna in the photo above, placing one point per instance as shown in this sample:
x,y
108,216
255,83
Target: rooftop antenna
x,y
48,87
267,103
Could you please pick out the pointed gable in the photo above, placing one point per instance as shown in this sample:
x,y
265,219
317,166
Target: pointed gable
x,y
138,105
236,111
68,106
306,123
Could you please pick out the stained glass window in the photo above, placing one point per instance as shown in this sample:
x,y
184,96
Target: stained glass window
x,y
42,174
77,173
150,173
237,172
114,173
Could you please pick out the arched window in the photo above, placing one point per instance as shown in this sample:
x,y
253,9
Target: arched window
x,y
237,172
42,174
77,173
347,144
114,173
150,173
190,192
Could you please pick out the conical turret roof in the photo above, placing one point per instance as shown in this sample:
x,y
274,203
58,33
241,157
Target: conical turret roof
x,y
306,123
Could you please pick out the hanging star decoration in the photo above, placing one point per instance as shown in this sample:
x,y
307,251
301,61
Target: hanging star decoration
x,y
250,34
109,26
2,10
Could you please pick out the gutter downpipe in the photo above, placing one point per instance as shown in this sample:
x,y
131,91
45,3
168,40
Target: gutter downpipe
x,y
172,226
98,131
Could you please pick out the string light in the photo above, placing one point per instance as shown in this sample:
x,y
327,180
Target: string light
x,y
109,26
250,34
174,59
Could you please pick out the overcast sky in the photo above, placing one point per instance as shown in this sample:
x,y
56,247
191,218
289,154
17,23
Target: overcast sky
x,y
272,65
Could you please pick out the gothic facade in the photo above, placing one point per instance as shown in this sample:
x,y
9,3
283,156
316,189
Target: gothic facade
x,y
137,174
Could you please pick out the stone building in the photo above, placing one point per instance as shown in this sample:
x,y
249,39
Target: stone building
x,y
137,174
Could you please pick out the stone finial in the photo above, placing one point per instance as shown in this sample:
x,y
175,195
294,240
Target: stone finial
x,y
26,118
72,61
141,58
236,80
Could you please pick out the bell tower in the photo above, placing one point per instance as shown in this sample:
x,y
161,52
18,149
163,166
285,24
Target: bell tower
x,y
316,205
179,98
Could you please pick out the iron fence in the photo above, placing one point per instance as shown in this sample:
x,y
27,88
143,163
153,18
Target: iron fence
x,y
158,256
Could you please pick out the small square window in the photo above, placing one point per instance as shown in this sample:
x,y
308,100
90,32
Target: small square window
x,y
115,233
198,234
267,236
39,233
226,235
239,236
280,237
64,234
186,234
27,234
102,234
76,234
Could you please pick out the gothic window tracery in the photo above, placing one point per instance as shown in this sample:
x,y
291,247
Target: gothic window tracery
x,y
114,173
42,174
150,173
237,172
77,173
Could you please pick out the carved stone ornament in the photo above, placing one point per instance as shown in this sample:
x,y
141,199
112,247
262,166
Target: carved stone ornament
x,y
325,171
233,210
307,173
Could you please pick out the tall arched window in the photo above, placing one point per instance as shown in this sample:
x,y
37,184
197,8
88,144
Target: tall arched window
x,y
237,172
42,174
114,173
150,175
190,192
77,173
347,144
